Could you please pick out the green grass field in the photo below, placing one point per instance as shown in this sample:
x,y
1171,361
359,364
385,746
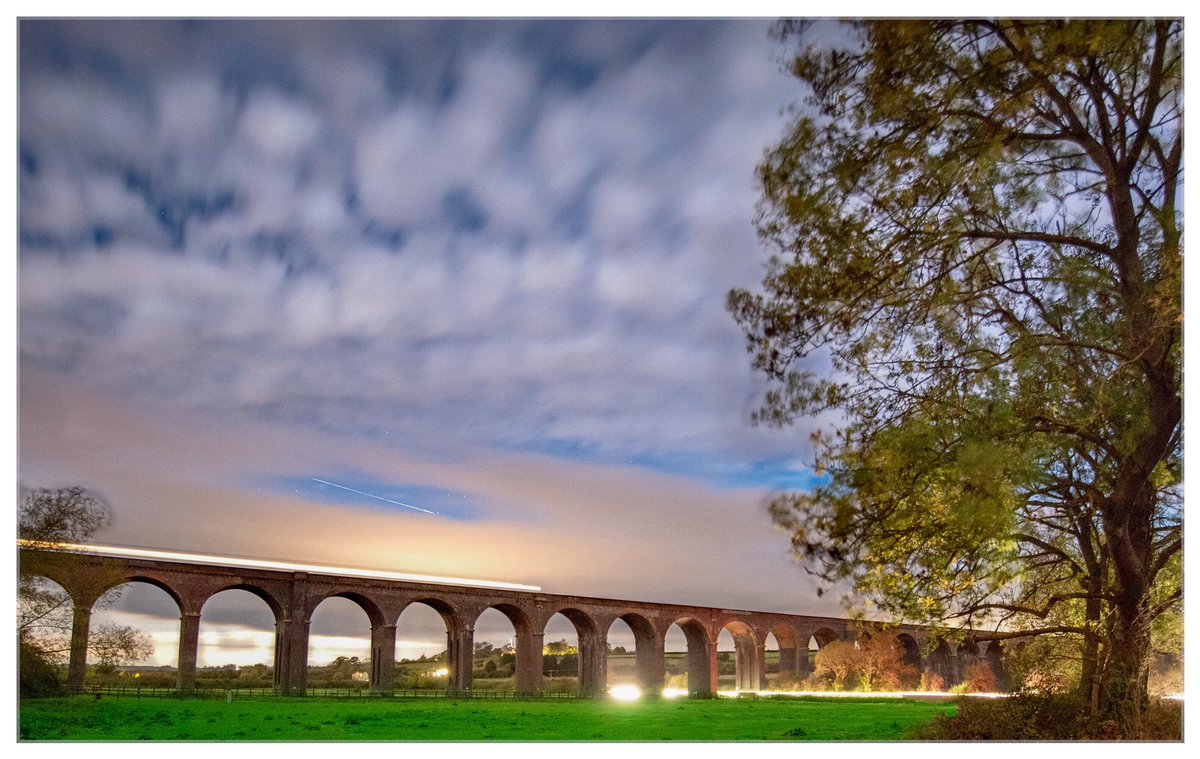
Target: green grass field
x,y
112,719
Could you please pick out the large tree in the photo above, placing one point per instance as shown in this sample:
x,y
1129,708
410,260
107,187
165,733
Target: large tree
x,y
976,286
49,520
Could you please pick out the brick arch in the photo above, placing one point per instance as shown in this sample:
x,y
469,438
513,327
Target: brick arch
x,y
748,655
382,640
85,599
793,653
459,635
911,650
273,603
366,603
642,627
590,643
968,653
189,616
701,654
585,624
941,661
528,676
994,653
786,635
181,600
449,613
647,641
823,635
522,621
451,618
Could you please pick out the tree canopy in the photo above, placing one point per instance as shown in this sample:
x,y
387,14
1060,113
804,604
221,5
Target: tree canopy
x,y
976,230
67,515
48,519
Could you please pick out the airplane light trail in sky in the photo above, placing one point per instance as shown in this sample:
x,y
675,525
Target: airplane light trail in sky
x,y
237,561
368,495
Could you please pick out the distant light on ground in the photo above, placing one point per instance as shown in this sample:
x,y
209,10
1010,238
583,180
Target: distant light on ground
x,y
674,692
625,692
440,672
232,561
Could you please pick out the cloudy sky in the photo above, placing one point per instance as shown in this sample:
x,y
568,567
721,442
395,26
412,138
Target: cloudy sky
x,y
475,268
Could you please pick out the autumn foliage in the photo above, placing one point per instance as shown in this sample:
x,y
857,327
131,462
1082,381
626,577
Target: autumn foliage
x,y
979,678
874,664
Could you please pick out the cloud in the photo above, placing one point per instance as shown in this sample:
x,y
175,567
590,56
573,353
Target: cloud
x,y
486,257
279,129
188,484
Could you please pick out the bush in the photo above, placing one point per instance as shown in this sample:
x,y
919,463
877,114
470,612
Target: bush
x,y
340,683
1029,717
932,681
979,678
170,680
788,682
491,685
560,685
106,676
1047,664
837,663
881,665
39,678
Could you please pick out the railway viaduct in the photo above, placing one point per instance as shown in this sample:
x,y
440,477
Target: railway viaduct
x,y
293,596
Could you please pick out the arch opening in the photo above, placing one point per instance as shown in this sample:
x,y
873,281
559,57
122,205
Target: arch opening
x,y
339,649
562,659
968,654
911,651
423,646
739,658
687,659
494,657
635,655
236,641
129,636
941,663
771,663
44,616
148,608
726,661
621,657
784,663
995,658
821,638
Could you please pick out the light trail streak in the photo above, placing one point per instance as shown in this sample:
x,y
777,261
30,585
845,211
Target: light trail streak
x,y
231,561
914,694
368,495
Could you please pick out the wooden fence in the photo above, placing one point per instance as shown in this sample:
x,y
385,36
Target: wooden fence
x,y
232,694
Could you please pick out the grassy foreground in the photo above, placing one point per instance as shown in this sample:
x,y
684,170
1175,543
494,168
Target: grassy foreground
x,y
110,719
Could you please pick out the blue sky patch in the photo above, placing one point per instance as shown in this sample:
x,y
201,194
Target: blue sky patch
x,y
778,473
768,474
